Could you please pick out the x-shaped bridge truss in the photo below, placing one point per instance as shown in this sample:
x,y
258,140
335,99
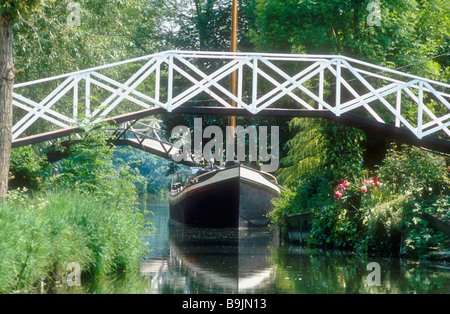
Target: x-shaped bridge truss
x,y
174,79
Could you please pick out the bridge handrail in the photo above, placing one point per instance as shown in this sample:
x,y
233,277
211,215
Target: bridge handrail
x,y
237,55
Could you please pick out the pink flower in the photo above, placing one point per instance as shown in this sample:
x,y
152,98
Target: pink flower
x,y
378,183
341,187
367,182
338,194
346,184
375,180
364,189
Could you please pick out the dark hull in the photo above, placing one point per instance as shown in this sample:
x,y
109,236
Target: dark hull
x,y
227,199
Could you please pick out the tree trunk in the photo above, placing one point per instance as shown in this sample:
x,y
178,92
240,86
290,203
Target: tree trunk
x,y
7,74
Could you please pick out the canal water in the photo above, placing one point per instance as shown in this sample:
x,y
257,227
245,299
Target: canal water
x,y
191,261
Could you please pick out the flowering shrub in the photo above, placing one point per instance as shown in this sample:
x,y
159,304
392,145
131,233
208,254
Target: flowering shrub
x,y
366,217
385,218
344,186
339,224
380,215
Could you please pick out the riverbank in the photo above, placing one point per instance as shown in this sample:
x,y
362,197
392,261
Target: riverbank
x,y
42,236
398,208
299,229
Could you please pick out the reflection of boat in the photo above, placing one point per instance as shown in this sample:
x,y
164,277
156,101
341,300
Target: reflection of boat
x,y
226,260
222,197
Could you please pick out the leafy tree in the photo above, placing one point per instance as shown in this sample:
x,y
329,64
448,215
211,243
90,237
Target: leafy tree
x,y
67,36
408,32
28,166
205,24
10,10
49,43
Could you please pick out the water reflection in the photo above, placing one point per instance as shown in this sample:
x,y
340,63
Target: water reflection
x,y
191,260
303,271
212,261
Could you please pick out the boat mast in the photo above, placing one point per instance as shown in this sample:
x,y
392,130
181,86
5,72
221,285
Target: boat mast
x,y
234,24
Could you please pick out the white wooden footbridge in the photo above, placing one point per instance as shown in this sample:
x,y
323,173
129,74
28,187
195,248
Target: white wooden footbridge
x,y
382,101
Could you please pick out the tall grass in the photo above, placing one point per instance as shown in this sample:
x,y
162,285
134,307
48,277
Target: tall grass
x,y
41,235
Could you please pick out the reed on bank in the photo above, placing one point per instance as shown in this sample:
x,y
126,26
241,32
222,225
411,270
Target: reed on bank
x,y
41,235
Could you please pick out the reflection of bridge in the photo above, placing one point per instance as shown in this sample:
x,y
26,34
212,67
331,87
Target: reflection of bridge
x,y
393,104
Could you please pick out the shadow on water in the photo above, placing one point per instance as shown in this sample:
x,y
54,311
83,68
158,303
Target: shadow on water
x,y
197,260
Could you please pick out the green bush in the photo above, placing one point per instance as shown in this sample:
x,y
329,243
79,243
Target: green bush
x,y
411,170
28,165
423,178
382,225
419,236
96,224
324,224
382,215
90,170
310,194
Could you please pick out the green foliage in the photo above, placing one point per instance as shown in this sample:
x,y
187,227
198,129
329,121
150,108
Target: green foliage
x,y
96,224
424,178
284,206
205,24
47,44
409,32
90,170
382,224
307,151
419,237
90,166
18,7
320,147
154,170
320,153
110,31
345,151
42,234
383,215
325,219
28,166
415,182
311,194
411,35
411,170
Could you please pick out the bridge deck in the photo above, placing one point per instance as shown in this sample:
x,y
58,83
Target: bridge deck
x,y
373,128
